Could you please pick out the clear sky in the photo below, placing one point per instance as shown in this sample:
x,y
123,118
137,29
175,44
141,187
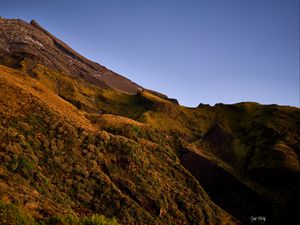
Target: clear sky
x,y
197,51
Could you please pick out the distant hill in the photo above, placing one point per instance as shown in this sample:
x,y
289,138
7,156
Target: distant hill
x,y
80,144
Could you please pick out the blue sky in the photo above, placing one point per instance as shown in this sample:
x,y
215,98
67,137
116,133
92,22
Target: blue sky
x,y
198,51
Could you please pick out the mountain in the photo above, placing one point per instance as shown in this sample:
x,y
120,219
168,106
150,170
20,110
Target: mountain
x,y
80,144
20,41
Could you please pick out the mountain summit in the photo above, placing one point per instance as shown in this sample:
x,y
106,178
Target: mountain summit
x,y
20,40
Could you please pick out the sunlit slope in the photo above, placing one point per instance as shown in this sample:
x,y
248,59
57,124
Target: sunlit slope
x,y
57,160
256,144
78,140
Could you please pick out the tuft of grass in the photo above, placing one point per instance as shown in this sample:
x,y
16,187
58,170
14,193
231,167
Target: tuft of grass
x,y
98,220
95,219
11,215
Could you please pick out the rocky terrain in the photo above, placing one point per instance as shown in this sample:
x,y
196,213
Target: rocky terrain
x,y
80,144
20,40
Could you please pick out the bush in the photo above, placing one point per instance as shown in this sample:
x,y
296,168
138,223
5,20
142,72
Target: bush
x,y
11,215
98,220
73,220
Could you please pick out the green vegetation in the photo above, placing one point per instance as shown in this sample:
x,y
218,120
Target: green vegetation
x,y
68,146
72,152
62,160
73,220
12,215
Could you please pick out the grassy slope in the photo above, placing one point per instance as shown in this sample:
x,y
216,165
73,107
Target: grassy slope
x,y
257,144
57,160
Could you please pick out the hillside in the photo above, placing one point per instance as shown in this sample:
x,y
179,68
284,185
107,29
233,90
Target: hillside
x,y
55,160
74,146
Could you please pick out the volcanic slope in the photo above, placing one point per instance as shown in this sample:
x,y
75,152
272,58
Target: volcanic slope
x,y
135,155
20,40
55,162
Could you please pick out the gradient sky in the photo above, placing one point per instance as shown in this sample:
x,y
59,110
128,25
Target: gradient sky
x,y
197,51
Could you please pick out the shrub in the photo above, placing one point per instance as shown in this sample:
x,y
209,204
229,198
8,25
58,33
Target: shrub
x,y
73,220
98,220
11,215
104,136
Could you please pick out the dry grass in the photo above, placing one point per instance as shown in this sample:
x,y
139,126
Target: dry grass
x,y
55,161
135,159
30,90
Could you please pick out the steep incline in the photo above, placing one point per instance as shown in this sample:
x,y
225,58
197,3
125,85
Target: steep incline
x,y
55,162
20,40
79,137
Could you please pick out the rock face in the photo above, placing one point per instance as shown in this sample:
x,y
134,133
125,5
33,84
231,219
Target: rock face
x,y
20,40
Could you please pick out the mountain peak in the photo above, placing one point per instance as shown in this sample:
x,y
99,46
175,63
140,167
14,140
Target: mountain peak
x,y
33,22
20,40
38,26
75,139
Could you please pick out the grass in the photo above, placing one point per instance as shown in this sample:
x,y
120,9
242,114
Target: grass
x,y
73,220
10,214
120,172
104,151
